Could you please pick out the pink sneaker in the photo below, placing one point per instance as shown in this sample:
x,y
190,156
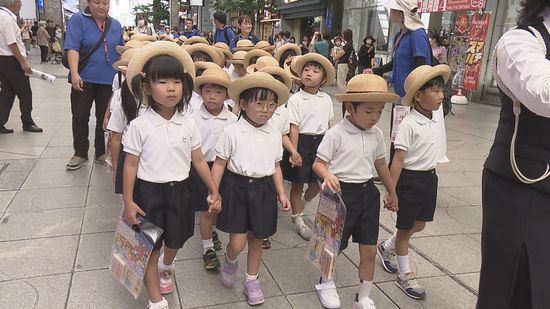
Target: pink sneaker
x,y
166,277
229,273
253,292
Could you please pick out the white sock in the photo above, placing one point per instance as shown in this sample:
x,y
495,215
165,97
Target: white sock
x,y
390,243
403,265
298,218
161,263
364,289
231,261
249,278
323,279
161,304
207,244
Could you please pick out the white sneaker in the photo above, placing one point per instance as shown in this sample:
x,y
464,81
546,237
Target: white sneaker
x,y
303,230
163,304
327,295
366,303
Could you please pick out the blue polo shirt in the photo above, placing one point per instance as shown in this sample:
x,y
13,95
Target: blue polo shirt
x,y
83,33
413,44
192,33
219,36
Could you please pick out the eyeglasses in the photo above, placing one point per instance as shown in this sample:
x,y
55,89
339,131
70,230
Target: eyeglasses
x,y
270,106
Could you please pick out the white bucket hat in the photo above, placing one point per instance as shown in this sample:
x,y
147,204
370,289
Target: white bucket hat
x,y
411,19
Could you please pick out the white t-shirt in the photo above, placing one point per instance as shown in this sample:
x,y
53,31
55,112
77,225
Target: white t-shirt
x,y
195,103
118,121
351,152
280,119
418,136
164,146
310,112
10,33
211,127
250,151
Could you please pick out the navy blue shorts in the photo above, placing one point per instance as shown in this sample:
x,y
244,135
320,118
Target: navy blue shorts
x,y
307,148
199,190
417,194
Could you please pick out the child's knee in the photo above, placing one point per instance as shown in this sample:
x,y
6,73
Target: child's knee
x,y
419,226
367,253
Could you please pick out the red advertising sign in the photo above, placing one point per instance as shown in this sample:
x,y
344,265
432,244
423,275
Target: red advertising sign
x,y
428,6
462,23
474,52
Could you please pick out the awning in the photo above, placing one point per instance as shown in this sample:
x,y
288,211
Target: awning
x,y
301,8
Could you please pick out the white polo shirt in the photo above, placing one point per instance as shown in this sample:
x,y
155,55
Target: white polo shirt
x,y
195,102
250,151
164,146
118,121
310,112
418,136
351,152
10,33
280,119
211,127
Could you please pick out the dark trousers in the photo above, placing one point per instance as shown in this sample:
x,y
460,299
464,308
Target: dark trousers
x,y
43,53
81,105
14,82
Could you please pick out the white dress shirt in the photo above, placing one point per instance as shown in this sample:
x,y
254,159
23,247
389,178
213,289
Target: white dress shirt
x,y
311,112
10,33
211,127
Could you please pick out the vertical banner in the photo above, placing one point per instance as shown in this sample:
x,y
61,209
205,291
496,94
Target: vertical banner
x,y
474,52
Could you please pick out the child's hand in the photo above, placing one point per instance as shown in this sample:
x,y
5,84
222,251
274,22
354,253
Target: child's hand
x,y
214,201
285,202
295,159
390,202
332,183
131,211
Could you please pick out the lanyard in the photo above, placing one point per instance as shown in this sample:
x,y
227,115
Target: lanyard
x,y
105,48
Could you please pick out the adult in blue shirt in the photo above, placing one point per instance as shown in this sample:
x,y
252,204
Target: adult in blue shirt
x,y
93,82
245,31
189,31
224,33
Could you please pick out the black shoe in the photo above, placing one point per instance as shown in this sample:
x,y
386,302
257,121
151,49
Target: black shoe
x,y
32,128
4,130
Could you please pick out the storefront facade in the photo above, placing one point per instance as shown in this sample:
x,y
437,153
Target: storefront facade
x,y
304,17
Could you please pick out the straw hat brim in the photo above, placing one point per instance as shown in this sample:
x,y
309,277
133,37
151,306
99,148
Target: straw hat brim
x,y
203,65
258,80
287,67
143,37
196,39
226,52
236,61
144,54
426,75
209,79
207,49
252,54
119,63
298,66
279,52
120,49
367,97
279,72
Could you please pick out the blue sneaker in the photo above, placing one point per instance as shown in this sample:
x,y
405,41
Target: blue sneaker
x,y
410,286
385,256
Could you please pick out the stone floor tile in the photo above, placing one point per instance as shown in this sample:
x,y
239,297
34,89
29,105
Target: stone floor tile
x,y
24,225
469,195
445,199
100,219
33,200
456,253
190,275
37,292
56,179
286,236
6,198
12,180
278,302
99,289
192,249
94,251
451,179
37,257
472,280
103,196
54,164
58,152
453,220
442,292
347,297
294,274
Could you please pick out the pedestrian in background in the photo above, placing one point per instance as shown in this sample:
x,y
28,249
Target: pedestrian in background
x,y
142,25
43,38
439,51
322,46
26,35
13,69
366,53
224,33
245,32
347,59
189,30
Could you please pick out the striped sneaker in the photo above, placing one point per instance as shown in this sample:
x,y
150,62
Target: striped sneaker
x,y
410,286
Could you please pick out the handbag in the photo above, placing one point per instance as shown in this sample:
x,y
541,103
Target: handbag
x,y
83,55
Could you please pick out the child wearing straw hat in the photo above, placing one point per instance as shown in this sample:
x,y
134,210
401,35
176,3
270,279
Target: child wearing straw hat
x,y
251,151
413,170
211,118
156,168
310,113
236,69
196,101
346,160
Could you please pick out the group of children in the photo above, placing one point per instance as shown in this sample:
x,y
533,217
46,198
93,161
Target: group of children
x,y
196,128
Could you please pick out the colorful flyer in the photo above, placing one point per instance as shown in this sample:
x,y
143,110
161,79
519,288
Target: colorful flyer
x,y
399,113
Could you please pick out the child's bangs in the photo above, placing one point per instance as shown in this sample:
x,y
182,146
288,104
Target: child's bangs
x,y
315,65
165,67
257,94
437,82
201,56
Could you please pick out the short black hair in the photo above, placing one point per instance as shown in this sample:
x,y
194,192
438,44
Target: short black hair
x,y
201,56
221,17
256,94
436,82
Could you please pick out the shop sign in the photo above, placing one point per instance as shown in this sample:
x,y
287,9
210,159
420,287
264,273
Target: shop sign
x,y
474,52
462,23
429,6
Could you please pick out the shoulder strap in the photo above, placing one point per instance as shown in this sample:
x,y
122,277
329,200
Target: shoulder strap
x,y
225,34
82,62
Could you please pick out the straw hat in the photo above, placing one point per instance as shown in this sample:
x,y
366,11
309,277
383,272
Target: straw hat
x,y
215,76
262,62
288,46
125,37
258,80
196,39
265,46
288,68
203,65
143,37
207,49
411,19
121,64
145,53
238,57
367,88
298,66
275,70
255,53
181,39
224,48
245,45
420,76
129,45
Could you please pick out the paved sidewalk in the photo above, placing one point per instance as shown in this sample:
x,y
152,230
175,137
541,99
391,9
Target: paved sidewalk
x,y
56,227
